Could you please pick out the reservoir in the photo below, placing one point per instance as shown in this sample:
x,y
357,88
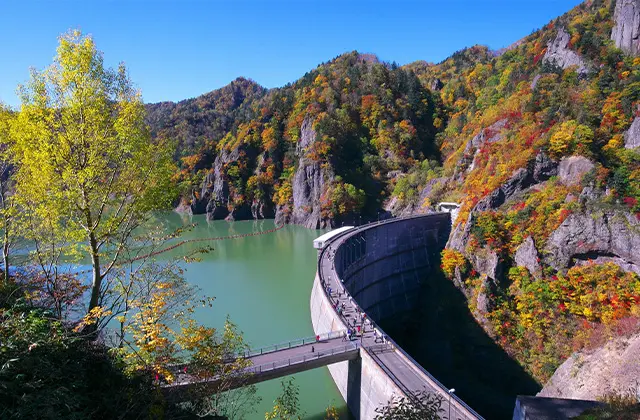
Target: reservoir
x,y
264,284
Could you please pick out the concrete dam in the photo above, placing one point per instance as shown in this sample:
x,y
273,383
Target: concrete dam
x,y
369,274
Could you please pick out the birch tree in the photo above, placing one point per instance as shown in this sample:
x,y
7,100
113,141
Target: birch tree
x,y
86,164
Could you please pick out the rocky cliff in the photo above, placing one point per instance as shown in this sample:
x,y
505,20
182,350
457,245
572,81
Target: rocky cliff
x,y
626,29
559,53
215,198
610,369
599,236
632,136
309,181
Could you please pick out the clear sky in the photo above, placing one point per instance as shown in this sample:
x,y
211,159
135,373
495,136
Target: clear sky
x,y
181,49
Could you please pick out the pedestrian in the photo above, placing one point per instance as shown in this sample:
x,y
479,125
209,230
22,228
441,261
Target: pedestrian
x,y
313,349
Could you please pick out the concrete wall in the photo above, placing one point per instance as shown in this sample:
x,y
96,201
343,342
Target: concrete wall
x,y
382,267
362,383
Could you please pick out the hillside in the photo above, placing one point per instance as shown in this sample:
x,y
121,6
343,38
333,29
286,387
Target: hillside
x,y
318,152
537,142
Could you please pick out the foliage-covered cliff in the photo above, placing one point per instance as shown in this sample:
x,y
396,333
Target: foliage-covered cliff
x,y
541,152
537,142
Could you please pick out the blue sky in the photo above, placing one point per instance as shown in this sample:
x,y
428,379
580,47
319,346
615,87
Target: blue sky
x,y
181,49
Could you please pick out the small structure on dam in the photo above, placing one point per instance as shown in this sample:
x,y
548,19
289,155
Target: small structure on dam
x,y
367,274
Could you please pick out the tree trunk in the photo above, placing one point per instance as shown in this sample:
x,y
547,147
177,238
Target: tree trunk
x,y
5,252
97,278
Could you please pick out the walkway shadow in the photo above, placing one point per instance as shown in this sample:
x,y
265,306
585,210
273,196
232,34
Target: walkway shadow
x,y
442,335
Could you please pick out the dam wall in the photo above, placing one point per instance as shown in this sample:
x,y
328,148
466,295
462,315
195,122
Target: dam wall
x,y
381,266
384,265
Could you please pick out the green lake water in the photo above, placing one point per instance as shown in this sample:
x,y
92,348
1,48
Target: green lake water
x,y
264,284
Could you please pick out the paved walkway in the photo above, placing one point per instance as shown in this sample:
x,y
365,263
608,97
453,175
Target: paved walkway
x,y
274,362
409,377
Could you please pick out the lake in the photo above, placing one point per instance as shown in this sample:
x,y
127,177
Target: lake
x,y
264,284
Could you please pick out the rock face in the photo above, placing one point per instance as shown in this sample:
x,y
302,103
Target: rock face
x,y
626,29
632,136
491,134
612,368
538,170
527,256
558,53
488,263
309,181
214,194
572,169
614,236
436,84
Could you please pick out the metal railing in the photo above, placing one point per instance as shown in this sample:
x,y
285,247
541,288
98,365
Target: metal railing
x,y
444,390
303,358
265,367
292,344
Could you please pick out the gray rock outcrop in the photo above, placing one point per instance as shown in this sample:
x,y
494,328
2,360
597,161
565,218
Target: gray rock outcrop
x,y
215,198
309,182
484,303
527,256
632,135
487,262
573,168
611,368
490,134
614,235
626,29
558,53
214,192
535,81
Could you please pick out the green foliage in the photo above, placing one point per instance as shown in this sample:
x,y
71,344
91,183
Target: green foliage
x,y
49,373
88,171
423,406
408,186
287,405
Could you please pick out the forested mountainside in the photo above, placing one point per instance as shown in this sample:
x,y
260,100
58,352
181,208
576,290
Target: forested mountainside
x,y
317,152
538,143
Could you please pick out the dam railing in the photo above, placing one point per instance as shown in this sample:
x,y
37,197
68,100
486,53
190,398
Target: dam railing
x,y
292,344
292,361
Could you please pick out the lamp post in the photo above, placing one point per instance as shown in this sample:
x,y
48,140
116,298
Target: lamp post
x,y
451,391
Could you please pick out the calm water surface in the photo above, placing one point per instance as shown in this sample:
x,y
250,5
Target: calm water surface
x,y
264,284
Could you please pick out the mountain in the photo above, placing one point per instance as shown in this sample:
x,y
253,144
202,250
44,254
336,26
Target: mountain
x,y
318,152
212,115
538,143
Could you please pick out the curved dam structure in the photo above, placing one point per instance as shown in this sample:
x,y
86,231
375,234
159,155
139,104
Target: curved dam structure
x,y
373,273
